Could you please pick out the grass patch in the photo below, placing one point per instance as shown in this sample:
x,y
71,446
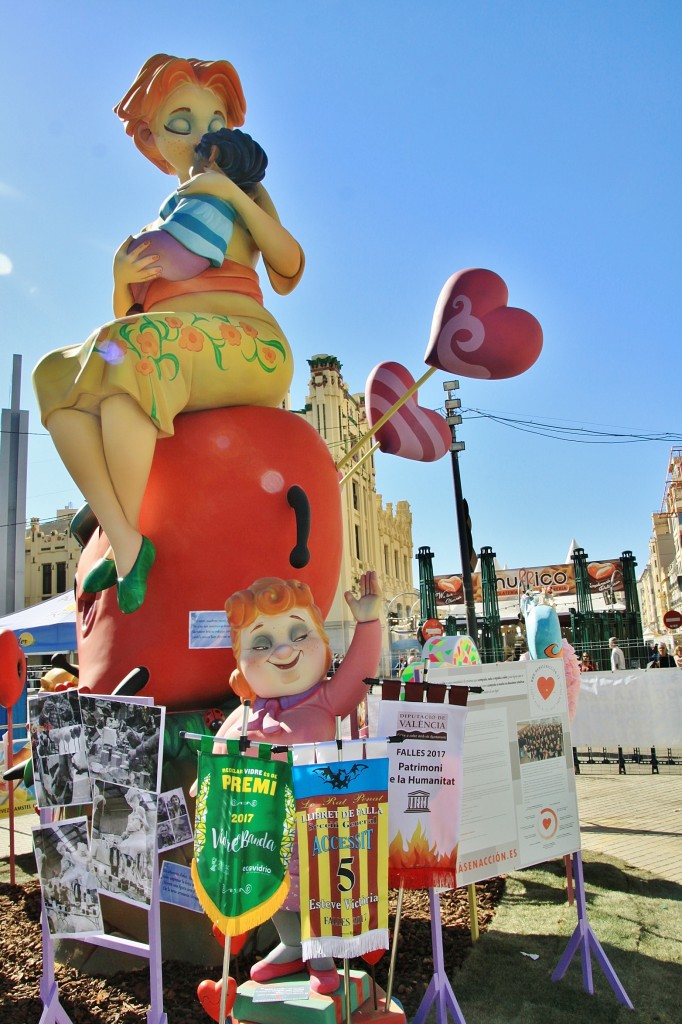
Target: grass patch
x,y
637,919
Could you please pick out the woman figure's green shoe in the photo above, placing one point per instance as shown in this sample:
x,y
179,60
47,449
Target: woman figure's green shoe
x,y
131,589
102,576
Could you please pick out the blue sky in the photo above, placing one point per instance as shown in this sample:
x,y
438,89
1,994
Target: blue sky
x,y
406,141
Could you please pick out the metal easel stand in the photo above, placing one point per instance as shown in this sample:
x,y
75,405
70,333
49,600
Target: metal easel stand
x,y
440,990
53,1011
586,941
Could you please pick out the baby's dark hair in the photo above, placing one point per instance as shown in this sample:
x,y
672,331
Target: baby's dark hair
x,y
239,157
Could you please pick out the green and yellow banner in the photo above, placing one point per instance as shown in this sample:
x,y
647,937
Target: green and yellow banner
x,y
244,834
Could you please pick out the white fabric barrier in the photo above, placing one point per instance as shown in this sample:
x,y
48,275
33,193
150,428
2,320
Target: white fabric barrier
x,y
640,708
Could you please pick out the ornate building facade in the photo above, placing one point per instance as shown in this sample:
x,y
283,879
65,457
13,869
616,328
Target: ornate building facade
x,y
660,585
375,536
51,556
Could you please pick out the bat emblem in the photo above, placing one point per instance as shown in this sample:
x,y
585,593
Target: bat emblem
x,y
342,777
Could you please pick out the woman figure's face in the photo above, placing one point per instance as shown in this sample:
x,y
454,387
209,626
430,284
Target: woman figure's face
x,y
283,654
180,121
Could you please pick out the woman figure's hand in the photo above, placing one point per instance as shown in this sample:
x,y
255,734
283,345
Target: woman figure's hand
x,y
211,183
134,267
366,608
281,252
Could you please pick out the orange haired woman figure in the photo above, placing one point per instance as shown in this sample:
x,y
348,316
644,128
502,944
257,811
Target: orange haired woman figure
x,y
283,657
202,343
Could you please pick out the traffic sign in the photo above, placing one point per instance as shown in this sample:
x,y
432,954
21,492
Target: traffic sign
x,y
672,619
432,628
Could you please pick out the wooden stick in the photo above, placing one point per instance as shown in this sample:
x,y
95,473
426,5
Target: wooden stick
x,y
226,977
386,417
363,458
394,950
228,939
473,913
346,964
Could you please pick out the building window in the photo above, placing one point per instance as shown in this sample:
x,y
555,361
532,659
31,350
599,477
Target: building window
x,y
61,577
386,569
396,559
356,498
406,568
358,554
47,578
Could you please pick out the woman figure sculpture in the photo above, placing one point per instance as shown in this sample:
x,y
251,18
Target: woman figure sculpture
x,y
201,343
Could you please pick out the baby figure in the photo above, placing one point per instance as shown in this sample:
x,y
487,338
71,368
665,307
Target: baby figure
x,y
192,232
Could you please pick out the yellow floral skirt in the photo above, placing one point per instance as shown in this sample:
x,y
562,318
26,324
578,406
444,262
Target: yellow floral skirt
x,y
169,363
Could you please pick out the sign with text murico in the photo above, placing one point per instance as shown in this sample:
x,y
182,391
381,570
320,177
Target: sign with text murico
x,y
604,577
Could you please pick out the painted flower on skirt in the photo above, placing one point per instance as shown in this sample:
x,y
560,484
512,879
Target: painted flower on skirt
x,y
249,329
231,334
191,339
149,343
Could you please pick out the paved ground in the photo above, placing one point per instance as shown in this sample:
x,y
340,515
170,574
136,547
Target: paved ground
x,y
637,818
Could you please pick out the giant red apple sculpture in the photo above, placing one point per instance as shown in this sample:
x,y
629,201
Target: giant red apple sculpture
x,y
225,504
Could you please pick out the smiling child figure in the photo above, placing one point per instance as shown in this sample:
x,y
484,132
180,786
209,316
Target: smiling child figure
x,y
283,657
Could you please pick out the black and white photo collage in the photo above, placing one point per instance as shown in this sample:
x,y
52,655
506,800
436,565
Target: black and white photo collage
x,y
106,752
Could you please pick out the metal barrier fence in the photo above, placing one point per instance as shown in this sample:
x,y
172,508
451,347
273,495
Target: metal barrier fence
x,y
636,761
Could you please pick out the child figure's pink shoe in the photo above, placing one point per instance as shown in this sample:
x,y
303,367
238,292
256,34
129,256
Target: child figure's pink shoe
x,y
264,971
323,982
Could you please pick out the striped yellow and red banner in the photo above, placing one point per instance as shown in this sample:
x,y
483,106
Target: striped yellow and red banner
x,y
342,827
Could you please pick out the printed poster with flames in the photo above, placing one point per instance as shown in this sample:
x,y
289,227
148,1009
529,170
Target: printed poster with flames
x,y
425,791
519,799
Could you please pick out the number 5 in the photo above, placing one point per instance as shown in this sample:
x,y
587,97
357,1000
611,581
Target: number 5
x,y
345,873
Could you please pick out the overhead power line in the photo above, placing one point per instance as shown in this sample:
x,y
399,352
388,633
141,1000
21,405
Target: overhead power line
x,y
578,435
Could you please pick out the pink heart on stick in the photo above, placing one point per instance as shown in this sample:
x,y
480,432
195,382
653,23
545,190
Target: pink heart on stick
x,y
476,334
411,432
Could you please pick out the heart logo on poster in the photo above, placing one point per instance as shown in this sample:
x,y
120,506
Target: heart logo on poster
x,y
546,822
545,686
412,432
476,334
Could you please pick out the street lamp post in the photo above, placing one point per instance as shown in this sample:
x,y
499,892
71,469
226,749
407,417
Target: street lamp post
x,y
410,616
453,420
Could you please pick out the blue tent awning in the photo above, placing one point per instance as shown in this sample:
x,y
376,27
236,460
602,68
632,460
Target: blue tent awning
x,y
45,628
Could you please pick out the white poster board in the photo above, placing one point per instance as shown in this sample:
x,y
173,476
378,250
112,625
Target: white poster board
x,y
519,801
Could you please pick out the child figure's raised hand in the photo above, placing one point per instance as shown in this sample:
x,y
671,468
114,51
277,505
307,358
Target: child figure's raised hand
x,y
368,606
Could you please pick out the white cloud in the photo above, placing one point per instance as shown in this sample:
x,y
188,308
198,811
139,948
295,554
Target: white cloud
x,y
6,266
8,192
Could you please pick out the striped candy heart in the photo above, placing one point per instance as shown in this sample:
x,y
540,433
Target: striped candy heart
x,y
411,432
